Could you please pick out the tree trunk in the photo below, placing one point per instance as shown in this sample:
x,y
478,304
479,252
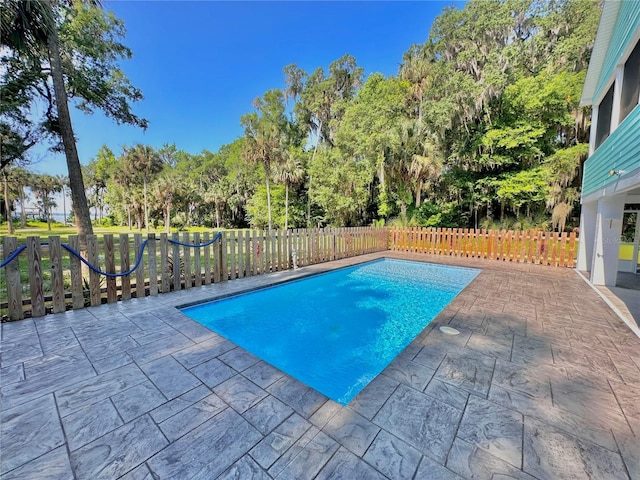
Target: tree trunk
x,y
286,206
129,216
23,216
7,204
64,207
266,176
309,202
167,218
146,208
78,195
315,149
419,193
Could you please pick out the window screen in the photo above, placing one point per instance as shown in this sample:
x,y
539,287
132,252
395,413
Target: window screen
x,y
630,83
604,118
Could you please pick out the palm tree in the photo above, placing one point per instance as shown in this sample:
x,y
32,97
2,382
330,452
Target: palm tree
x,y
425,166
264,132
289,172
64,182
140,163
14,181
21,179
217,194
44,186
165,190
416,68
7,199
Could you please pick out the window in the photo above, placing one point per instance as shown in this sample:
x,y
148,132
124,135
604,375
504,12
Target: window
x,y
630,83
604,118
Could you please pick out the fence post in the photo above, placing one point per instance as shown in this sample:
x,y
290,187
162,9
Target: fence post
x,y
57,282
216,259
95,291
222,258
248,271
207,259
232,255
125,282
14,287
197,268
269,252
254,252
572,250
75,268
153,265
165,278
177,270
241,260
140,276
110,267
188,279
34,258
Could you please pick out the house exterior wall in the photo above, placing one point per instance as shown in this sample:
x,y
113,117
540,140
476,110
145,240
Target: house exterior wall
x,y
612,171
620,152
624,33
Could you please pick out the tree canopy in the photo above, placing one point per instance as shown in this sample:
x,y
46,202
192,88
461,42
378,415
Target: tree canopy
x,y
481,126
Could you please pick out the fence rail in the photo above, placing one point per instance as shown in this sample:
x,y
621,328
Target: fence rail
x,y
49,278
544,248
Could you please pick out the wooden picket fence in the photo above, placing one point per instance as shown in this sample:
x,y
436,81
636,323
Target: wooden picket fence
x,y
48,278
543,248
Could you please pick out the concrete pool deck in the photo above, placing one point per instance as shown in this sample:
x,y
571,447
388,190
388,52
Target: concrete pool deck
x,y
543,382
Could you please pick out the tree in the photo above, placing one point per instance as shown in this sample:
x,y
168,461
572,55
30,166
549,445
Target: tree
x,y
289,172
217,194
7,200
341,187
265,130
19,179
141,163
63,181
165,190
97,175
44,186
369,132
75,47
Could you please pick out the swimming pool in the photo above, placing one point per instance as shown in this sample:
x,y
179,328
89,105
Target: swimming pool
x,y
337,331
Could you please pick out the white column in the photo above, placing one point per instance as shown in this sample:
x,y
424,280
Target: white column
x,y
594,127
587,236
604,267
617,98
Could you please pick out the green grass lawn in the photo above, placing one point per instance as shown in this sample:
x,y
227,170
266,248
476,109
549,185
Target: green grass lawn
x,y
58,229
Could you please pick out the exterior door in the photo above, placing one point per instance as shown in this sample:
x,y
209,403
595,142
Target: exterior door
x,y
628,260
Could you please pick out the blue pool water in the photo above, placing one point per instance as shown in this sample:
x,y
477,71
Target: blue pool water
x,y
336,331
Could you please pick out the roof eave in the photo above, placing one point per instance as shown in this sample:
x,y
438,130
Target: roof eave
x,y
600,47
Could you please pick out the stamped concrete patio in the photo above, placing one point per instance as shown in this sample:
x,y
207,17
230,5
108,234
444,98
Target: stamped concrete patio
x,y
542,382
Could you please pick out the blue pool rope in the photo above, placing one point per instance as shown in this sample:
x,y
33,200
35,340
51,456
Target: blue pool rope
x,y
9,259
95,269
107,274
192,245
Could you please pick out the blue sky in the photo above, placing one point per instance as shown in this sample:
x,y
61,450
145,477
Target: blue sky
x,y
200,64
